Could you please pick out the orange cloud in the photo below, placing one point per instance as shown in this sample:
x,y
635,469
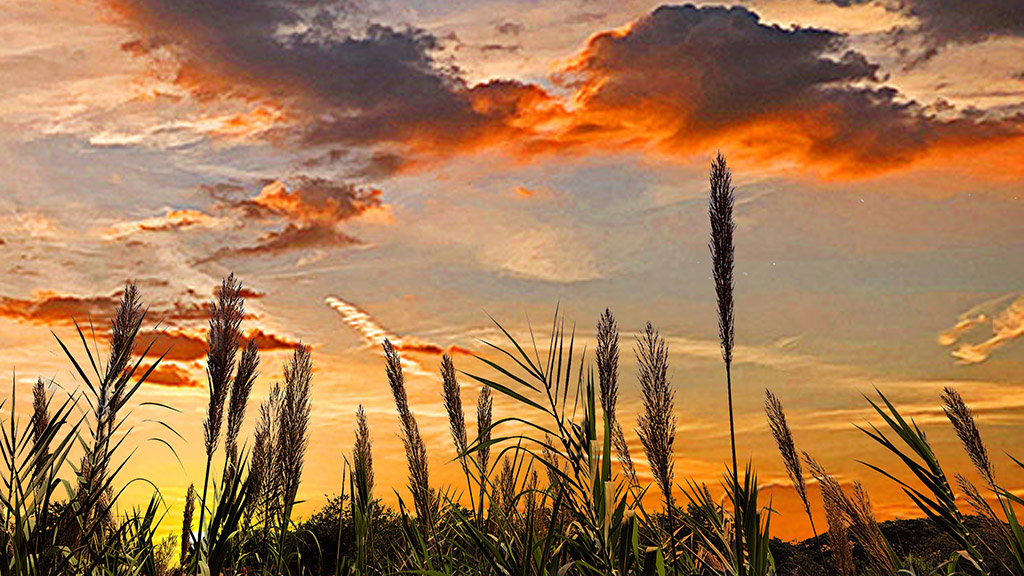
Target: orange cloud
x,y
171,220
186,345
169,375
681,81
417,347
306,216
47,307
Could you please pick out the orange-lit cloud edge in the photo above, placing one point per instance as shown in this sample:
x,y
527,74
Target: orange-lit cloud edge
x,y
844,124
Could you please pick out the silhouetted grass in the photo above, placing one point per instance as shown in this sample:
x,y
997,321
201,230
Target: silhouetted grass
x,y
585,515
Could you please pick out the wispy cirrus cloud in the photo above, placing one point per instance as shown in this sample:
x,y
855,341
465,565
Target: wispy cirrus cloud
x,y
373,335
1005,317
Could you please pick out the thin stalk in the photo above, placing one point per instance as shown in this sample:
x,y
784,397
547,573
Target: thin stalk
x,y
671,531
735,476
202,511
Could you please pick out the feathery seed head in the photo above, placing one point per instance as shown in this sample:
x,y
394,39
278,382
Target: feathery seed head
x,y
415,449
40,411
657,425
186,524
124,328
484,407
362,455
240,390
722,249
966,427
222,345
607,354
784,438
453,405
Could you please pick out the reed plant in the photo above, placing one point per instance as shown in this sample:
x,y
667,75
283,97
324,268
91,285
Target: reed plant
x,y
552,488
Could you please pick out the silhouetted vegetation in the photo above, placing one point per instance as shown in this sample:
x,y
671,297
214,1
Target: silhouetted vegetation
x,y
551,488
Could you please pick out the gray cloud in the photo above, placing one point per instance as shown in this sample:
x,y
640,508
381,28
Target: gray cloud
x,y
943,22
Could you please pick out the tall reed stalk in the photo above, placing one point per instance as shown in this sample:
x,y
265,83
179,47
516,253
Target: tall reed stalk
x,y
722,260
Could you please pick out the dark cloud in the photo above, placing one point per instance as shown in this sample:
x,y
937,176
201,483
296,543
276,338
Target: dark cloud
x,y
943,22
500,48
307,216
509,28
289,239
371,85
681,80
687,76
310,201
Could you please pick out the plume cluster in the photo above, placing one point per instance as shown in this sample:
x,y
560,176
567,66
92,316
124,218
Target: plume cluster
x,y
857,515
222,346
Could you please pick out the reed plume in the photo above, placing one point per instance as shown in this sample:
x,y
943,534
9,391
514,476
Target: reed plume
x,y
124,329
722,260
264,465
980,506
506,489
40,411
362,454
657,425
453,405
787,448
91,496
226,315
40,421
484,407
186,522
966,427
415,449
293,427
239,400
607,355
859,516
222,346
838,539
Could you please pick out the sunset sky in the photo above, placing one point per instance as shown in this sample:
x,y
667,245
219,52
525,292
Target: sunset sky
x,y
407,168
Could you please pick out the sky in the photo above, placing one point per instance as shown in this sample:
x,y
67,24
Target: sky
x,y
412,168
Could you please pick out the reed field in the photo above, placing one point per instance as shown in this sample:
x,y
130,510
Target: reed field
x,y
553,486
